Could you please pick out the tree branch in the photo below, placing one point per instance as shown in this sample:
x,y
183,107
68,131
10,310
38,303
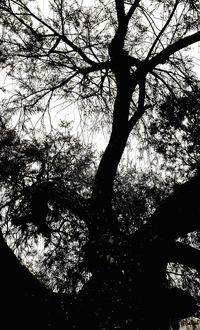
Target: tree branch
x,y
117,43
141,108
16,275
103,185
132,10
163,56
184,254
57,34
176,216
23,294
119,4
163,29
72,201
95,67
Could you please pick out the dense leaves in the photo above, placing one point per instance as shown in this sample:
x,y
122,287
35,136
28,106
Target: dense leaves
x,y
175,133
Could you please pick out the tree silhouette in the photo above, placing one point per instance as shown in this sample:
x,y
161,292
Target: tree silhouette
x,y
121,244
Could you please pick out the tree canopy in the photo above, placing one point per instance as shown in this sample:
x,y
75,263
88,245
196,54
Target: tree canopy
x,y
108,239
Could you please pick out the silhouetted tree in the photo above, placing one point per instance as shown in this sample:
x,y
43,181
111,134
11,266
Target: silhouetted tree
x,y
120,244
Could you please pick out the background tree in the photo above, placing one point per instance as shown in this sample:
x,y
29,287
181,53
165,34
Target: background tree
x,y
111,238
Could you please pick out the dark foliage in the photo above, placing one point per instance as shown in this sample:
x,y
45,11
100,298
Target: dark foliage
x,y
107,245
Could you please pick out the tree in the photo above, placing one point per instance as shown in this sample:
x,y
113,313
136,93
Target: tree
x,y
110,234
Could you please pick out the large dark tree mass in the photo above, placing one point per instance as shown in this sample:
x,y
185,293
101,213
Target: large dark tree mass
x,y
94,239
